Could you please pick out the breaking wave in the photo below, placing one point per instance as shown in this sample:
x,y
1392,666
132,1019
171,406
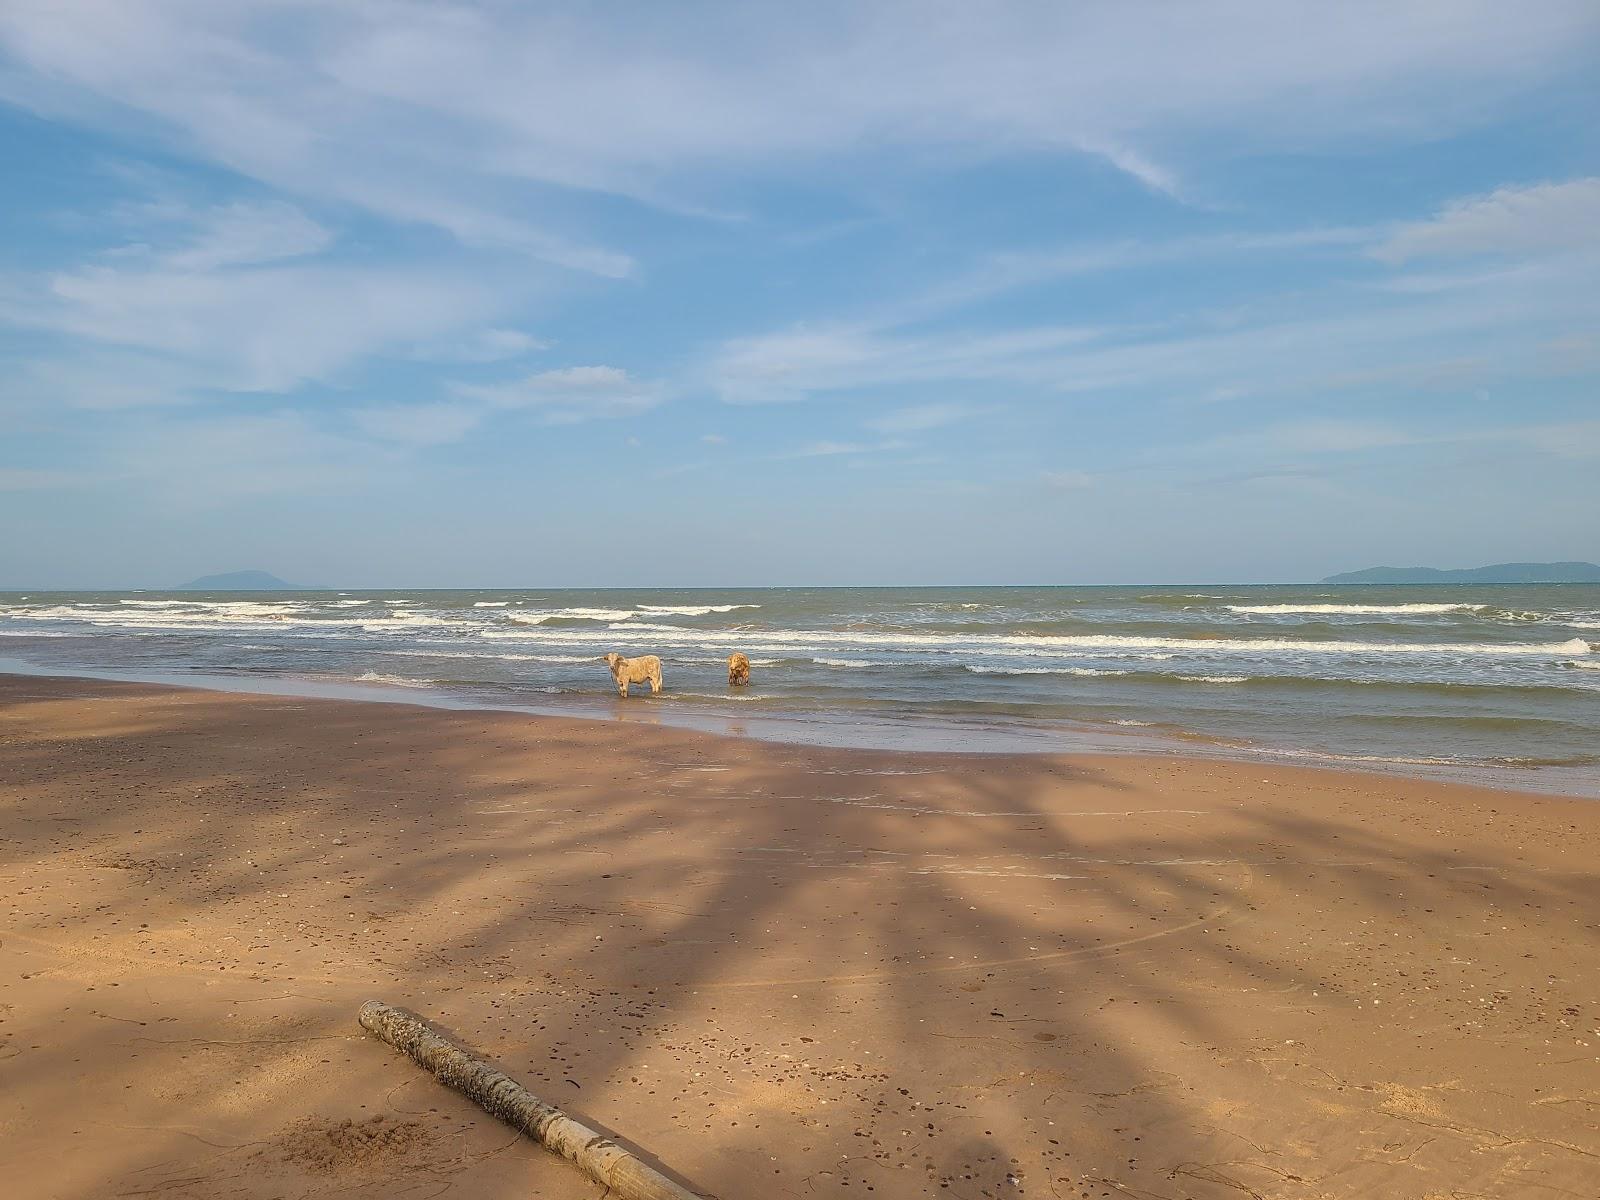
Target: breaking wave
x,y
691,610
393,680
1056,642
1396,675
1355,609
573,614
977,669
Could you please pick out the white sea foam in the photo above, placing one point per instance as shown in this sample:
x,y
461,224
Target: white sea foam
x,y
177,615
408,621
1529,643
1086,671
721,660
508,657
201,616
393,680
552,658
209,617
736,697
574,614
691,610
650,627
1060,644
219,608
1354,609
1373,758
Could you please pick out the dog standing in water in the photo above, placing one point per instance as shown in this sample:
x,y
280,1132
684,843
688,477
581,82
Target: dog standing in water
x,y
738,670
644,669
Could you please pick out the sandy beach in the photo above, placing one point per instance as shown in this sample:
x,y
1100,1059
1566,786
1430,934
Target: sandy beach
x,y
781,971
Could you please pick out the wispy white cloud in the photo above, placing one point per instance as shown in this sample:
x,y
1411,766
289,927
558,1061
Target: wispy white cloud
x,y
1319,436
474,119
444,114
836,449
1440,331
239,297
265,329
26,479
565,396
95,378
399,178
1535,219
210,459
790,365
1321,441
1575,440
419,424
996,274
919,417
570,394
826,450
1067,481
241,234
479,346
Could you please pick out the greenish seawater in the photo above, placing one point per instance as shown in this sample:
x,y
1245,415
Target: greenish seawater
x,y
1498,680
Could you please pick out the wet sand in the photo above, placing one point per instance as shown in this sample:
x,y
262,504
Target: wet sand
x,y
783,971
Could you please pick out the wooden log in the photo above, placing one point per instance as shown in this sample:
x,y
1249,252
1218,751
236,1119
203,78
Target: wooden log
x,y
499,1095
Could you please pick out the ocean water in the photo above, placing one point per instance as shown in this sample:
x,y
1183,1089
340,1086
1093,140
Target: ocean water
x,y
1501,683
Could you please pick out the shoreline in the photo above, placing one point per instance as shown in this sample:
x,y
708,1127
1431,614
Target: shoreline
x,y
917,733
780,970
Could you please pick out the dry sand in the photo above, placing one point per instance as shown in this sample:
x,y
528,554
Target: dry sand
x,y
783,971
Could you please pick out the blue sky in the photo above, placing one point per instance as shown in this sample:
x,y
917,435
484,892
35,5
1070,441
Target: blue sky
x,y
501,294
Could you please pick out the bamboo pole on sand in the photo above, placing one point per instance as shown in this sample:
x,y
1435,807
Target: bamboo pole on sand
x,y
501,1096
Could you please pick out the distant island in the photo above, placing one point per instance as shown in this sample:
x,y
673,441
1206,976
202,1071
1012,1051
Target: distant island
x,y
1557,572
241,581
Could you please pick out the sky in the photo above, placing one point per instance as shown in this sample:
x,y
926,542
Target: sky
x,y
386,294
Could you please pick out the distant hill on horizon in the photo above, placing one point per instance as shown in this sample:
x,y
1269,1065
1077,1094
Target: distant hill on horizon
x,y
241,581
1523,572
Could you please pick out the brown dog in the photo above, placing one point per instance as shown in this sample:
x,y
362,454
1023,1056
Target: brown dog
x,y
644,669
738,670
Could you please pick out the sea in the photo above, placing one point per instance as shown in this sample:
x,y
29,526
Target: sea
x,y
1497,684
